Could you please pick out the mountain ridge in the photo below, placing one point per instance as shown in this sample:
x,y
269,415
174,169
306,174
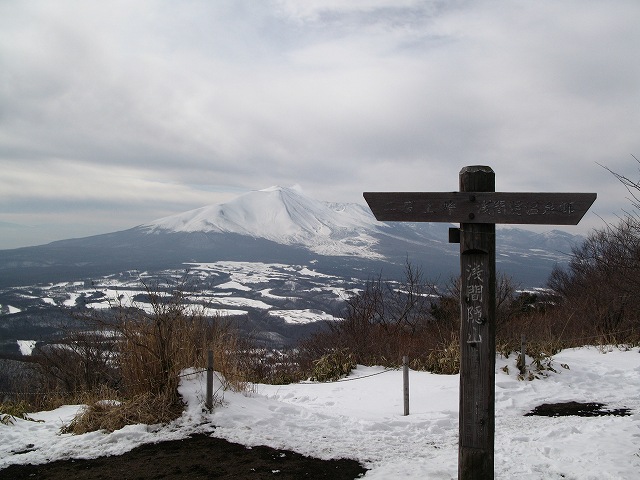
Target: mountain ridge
x,y
281,224
286,216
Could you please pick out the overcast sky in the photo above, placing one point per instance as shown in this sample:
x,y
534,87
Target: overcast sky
x,y
115,113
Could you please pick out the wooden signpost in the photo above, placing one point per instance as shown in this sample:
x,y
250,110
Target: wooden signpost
x,y
478,208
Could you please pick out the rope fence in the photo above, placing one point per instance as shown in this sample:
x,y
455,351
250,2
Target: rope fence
x,y
351,379
223,381
189,374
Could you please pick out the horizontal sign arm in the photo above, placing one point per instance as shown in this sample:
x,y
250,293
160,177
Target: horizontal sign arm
x,y
480,207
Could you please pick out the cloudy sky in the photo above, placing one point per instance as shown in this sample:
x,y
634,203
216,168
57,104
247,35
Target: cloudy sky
x,y
116,113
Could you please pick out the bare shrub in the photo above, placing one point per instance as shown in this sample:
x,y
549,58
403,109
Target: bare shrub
x,y
81,362
598,287
333,366
155,347
272,366
135,358
383,323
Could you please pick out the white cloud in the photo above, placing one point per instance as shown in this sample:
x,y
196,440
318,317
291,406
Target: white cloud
x,y
105,103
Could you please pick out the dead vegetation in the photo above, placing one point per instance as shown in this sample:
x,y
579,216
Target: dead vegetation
x,y
126,365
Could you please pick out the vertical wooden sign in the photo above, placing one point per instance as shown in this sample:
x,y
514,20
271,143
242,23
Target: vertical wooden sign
x,y
478,207
477,336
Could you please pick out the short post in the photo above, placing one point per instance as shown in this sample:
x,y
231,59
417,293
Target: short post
x,y
522,359
405,383
209,399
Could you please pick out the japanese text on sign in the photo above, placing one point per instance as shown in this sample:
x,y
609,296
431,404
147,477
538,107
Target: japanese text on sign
x,y
492,207
475,279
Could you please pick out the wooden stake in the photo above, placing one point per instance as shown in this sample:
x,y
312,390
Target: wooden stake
x,y
522,360
209,399
405,382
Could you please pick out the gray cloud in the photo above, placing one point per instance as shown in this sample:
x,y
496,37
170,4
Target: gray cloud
x,y
136,108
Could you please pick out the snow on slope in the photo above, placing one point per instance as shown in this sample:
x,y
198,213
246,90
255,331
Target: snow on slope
x,y
362,419
286,216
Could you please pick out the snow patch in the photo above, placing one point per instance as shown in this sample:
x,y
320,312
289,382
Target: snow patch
x,y
26,346
233,286
302,316
9,309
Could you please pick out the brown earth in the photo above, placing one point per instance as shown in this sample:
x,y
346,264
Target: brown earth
x,y
578,409
196,457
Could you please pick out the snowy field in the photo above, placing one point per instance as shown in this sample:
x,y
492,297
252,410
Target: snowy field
x,y
236,288
361,418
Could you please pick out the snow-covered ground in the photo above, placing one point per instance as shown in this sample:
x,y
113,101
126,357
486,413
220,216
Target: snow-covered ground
x,y
243,286
362,418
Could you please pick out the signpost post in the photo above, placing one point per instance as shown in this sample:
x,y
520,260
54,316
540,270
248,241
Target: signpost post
x,y
478,208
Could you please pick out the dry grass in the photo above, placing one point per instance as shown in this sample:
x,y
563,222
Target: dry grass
x,y
12,410
443,359
110,415
150,352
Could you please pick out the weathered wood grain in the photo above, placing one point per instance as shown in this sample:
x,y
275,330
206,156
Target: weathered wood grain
x,y
481,207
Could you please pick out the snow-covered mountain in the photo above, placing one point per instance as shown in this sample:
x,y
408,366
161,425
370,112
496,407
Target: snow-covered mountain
x,y
282,225
276,257
285,216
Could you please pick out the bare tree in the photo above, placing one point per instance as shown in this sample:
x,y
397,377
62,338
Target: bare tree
x,y
602,279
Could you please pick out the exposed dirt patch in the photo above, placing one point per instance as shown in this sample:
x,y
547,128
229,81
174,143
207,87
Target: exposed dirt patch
x,y
578,409
196,457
